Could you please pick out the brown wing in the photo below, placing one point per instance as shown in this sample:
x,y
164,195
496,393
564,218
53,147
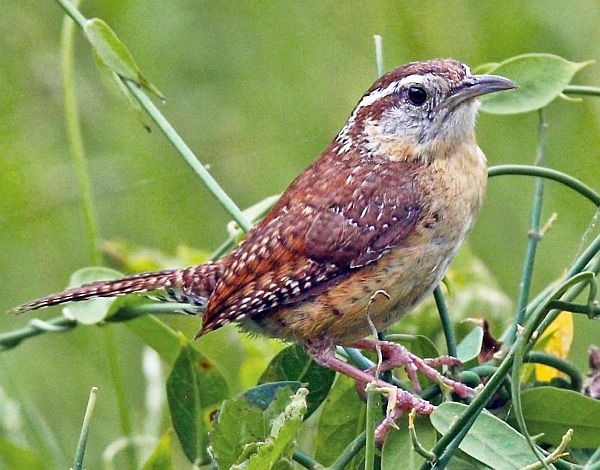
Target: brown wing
x,y
333,219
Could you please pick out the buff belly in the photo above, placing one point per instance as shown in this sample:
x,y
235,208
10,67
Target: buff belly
x,y
383,292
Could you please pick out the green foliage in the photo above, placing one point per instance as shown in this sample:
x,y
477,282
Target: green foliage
x,y
195,389
161,457
94,310
248,436
470,346
14,456
541,79
261,427
294,364
491,441
113,54
398,446
275,453
552,411
342,420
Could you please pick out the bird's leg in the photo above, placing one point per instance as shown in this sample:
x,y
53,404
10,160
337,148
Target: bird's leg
x,y
323,352
395,355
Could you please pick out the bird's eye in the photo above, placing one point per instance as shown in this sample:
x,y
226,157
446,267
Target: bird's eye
x,y
417,95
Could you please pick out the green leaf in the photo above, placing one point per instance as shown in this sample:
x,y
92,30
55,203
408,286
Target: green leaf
x,y
342,420
470,346
398,446
262,395
239,424
115,86
195,389
293,364
161,456
457,463
91,311
276,451
242,424
14,456
541,79
115,55
157,335
552,411
490,440
485,68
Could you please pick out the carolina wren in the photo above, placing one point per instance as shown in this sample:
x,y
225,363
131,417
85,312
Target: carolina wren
x,y
384,209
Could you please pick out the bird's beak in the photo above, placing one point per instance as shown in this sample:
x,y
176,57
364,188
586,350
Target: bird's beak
x,y
478,85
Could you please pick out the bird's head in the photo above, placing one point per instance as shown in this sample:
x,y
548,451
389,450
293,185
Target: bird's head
x,y
416,108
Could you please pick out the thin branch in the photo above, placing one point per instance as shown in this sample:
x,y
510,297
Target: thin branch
x,y
548,173
533,235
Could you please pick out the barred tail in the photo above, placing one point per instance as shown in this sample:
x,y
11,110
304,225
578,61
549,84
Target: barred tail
x,y
196,281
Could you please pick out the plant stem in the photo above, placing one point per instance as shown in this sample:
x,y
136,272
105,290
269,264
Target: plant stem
x,y
462,425
533,234
445,319
75,140
175,139
530,170
70,9
349,452
221,196
582,90
576,308
117,379
380,69
35,327
85,428
594,461
306,460
539,357
372,394
60,324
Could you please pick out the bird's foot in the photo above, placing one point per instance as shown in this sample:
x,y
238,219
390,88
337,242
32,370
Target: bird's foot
x,y
399,401
395,355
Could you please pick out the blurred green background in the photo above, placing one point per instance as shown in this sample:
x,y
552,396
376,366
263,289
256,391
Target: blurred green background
x,y
257,89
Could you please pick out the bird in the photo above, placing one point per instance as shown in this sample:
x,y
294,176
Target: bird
x,y
358,239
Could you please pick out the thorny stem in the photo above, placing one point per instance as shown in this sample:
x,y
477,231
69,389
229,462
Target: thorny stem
x,y
533,234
